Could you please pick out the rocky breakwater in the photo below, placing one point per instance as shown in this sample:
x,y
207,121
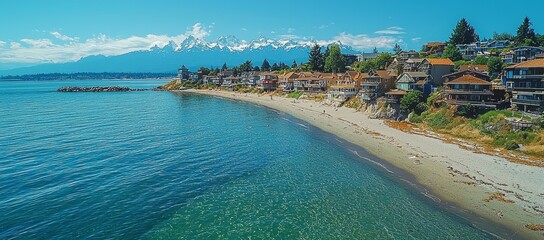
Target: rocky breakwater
x,y
98,89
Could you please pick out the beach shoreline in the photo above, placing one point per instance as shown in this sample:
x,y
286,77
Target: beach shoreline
x,y
492,187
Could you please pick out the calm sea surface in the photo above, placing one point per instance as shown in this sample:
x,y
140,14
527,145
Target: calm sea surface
x,y
168,165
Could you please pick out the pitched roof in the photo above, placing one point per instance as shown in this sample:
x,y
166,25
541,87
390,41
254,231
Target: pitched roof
x,y
474,67
539,62
383,74
468,79
415,60
440,61
396,92
417,74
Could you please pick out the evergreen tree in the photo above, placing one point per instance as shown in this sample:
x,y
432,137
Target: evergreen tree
x,y
256,68
247,66
452,53
316,59
265,66
397,49
275,67
526,34
335,61
224,67
463,33
294,65
235,71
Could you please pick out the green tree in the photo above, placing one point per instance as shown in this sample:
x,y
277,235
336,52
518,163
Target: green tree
x,y
397,49
526,34
335,61
224,67
409,102
365,66
383,60
247,66
265,66
275,67
204,70
463,33
294,65
480,60
540,39
495,65
256,68
452,53
503,36
316,59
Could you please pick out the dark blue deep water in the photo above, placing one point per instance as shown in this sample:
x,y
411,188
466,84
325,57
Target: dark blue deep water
x,y
170,165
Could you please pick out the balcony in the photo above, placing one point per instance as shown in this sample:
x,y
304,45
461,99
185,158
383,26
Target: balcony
x,y
532,102
469,91
528,76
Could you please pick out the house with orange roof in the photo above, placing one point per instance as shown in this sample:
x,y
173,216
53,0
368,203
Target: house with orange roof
x,y
437,48
347,85
526,82
436,68
468,89
374,84
286,81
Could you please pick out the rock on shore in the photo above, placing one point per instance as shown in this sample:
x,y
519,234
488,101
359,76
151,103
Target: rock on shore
x,y
97,89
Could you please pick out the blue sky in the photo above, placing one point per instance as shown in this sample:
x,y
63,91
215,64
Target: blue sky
x,y
65,30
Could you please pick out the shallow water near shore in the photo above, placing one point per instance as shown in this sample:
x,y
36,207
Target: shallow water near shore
x,y
172,165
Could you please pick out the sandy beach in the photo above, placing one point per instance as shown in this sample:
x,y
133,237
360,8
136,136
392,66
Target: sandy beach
x,y
492,187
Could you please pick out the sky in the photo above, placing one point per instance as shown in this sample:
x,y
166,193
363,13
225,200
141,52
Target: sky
x,y
39,31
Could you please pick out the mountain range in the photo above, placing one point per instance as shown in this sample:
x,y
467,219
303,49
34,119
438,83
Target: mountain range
x,y
191,52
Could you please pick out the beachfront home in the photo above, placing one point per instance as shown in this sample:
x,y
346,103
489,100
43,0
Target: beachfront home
x,y
347,85
286,81
526,82
375,83
411,81
395,95
436,68
267,81
183,73
468,89
250,78
230,81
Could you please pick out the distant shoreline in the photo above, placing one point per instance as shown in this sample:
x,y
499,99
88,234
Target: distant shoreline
x,y
477,183
89,76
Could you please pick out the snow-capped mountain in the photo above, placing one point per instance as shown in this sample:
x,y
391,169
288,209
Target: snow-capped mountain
x,y
192,52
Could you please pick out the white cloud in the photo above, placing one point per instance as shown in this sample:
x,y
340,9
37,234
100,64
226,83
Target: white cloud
x,y
391,31
2,43
72,49
244,29
38,43
416,39
363,41
15,45
290,30
62,37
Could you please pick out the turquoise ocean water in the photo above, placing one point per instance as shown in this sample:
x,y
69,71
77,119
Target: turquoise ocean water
x,y
162,165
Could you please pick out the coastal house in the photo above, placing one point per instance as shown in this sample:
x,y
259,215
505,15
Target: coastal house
x,y
347,85
195,76
403,56
250,78
395,95
411,64
483,69
455,75
526,82
211,79
434,48
230,81
481,48
374,84
526,53
436,68
286,81
507,57
267,81
469,89
411,81
183,73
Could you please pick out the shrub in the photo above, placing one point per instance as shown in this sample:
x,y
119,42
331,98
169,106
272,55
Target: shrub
x,y
439,120
420,108
468,111
409,101
295,94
